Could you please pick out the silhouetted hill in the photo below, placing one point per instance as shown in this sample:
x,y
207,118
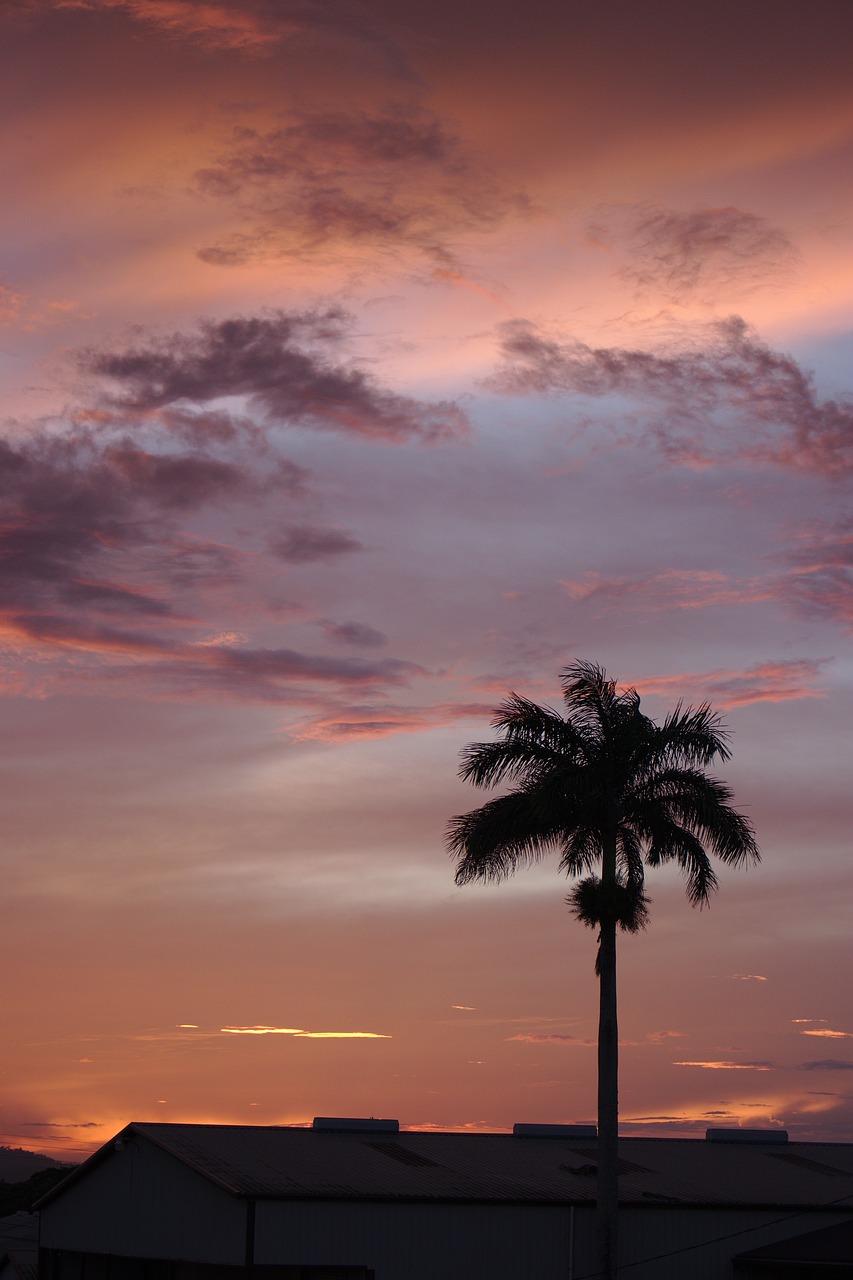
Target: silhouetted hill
x,y
16,1164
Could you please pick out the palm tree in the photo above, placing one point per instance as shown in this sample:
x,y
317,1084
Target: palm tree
x,y
612,793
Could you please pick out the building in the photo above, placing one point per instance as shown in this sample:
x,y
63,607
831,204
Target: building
x,y
361,1200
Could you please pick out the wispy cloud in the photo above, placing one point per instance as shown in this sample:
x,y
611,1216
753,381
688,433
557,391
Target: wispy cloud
x,y
335,180
722,398
542,1037
347,723
747,977
307,1035
829,1035
820,579
356,634
670,589
780,681
728,1066
826,1064
681,254
220,24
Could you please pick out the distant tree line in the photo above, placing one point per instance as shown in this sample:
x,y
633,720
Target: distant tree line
x,y
23,1195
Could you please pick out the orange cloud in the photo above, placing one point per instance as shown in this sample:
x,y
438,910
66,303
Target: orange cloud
x,y
830,1035
536,1037
306,1035
347,724
727,1066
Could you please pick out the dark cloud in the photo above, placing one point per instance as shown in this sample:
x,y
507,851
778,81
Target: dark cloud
x,y
353,633
302,544
247,674
679,254
83,513
826,1064
279,362
105,578
274,665
399,176
88,539
731,397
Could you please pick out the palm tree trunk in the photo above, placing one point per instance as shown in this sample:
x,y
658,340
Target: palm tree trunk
x,y
607,1181
607,1185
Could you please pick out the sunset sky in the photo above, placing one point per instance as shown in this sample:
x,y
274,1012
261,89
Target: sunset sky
x,y
363,361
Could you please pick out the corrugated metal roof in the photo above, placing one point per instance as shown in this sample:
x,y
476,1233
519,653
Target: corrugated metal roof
x,y
280,1162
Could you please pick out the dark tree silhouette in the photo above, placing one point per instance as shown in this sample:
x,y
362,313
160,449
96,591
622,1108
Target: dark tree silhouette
x,y
612,793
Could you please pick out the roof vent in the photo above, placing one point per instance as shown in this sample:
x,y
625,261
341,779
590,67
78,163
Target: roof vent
x,y
345,1124
554,1131
746,1135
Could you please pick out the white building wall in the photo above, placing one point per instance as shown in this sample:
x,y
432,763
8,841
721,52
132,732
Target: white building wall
x,y
140,1201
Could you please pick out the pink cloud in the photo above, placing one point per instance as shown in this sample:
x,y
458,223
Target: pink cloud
x,y
243,27
672,589
380,721
766,682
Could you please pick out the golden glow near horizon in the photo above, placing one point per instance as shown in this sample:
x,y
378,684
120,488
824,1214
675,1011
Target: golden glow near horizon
x,y
308,1035
346,389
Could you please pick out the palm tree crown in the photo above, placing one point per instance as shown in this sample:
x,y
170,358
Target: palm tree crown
x,y
606,788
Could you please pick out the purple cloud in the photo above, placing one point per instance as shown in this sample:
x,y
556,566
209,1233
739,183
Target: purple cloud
x,y
353,633
279,362
303,544
826,1064
820,580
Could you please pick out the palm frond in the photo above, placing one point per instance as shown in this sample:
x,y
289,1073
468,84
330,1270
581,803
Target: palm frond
x,y
669,841
702,805
590,697
629,855
491,842
692,736
581,849
485,764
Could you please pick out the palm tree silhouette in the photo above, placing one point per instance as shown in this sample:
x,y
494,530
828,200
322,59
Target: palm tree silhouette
x,y
612,793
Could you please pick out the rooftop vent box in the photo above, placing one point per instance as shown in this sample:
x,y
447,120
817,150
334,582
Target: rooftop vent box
x,y
346,1124
554,1131
746,1135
